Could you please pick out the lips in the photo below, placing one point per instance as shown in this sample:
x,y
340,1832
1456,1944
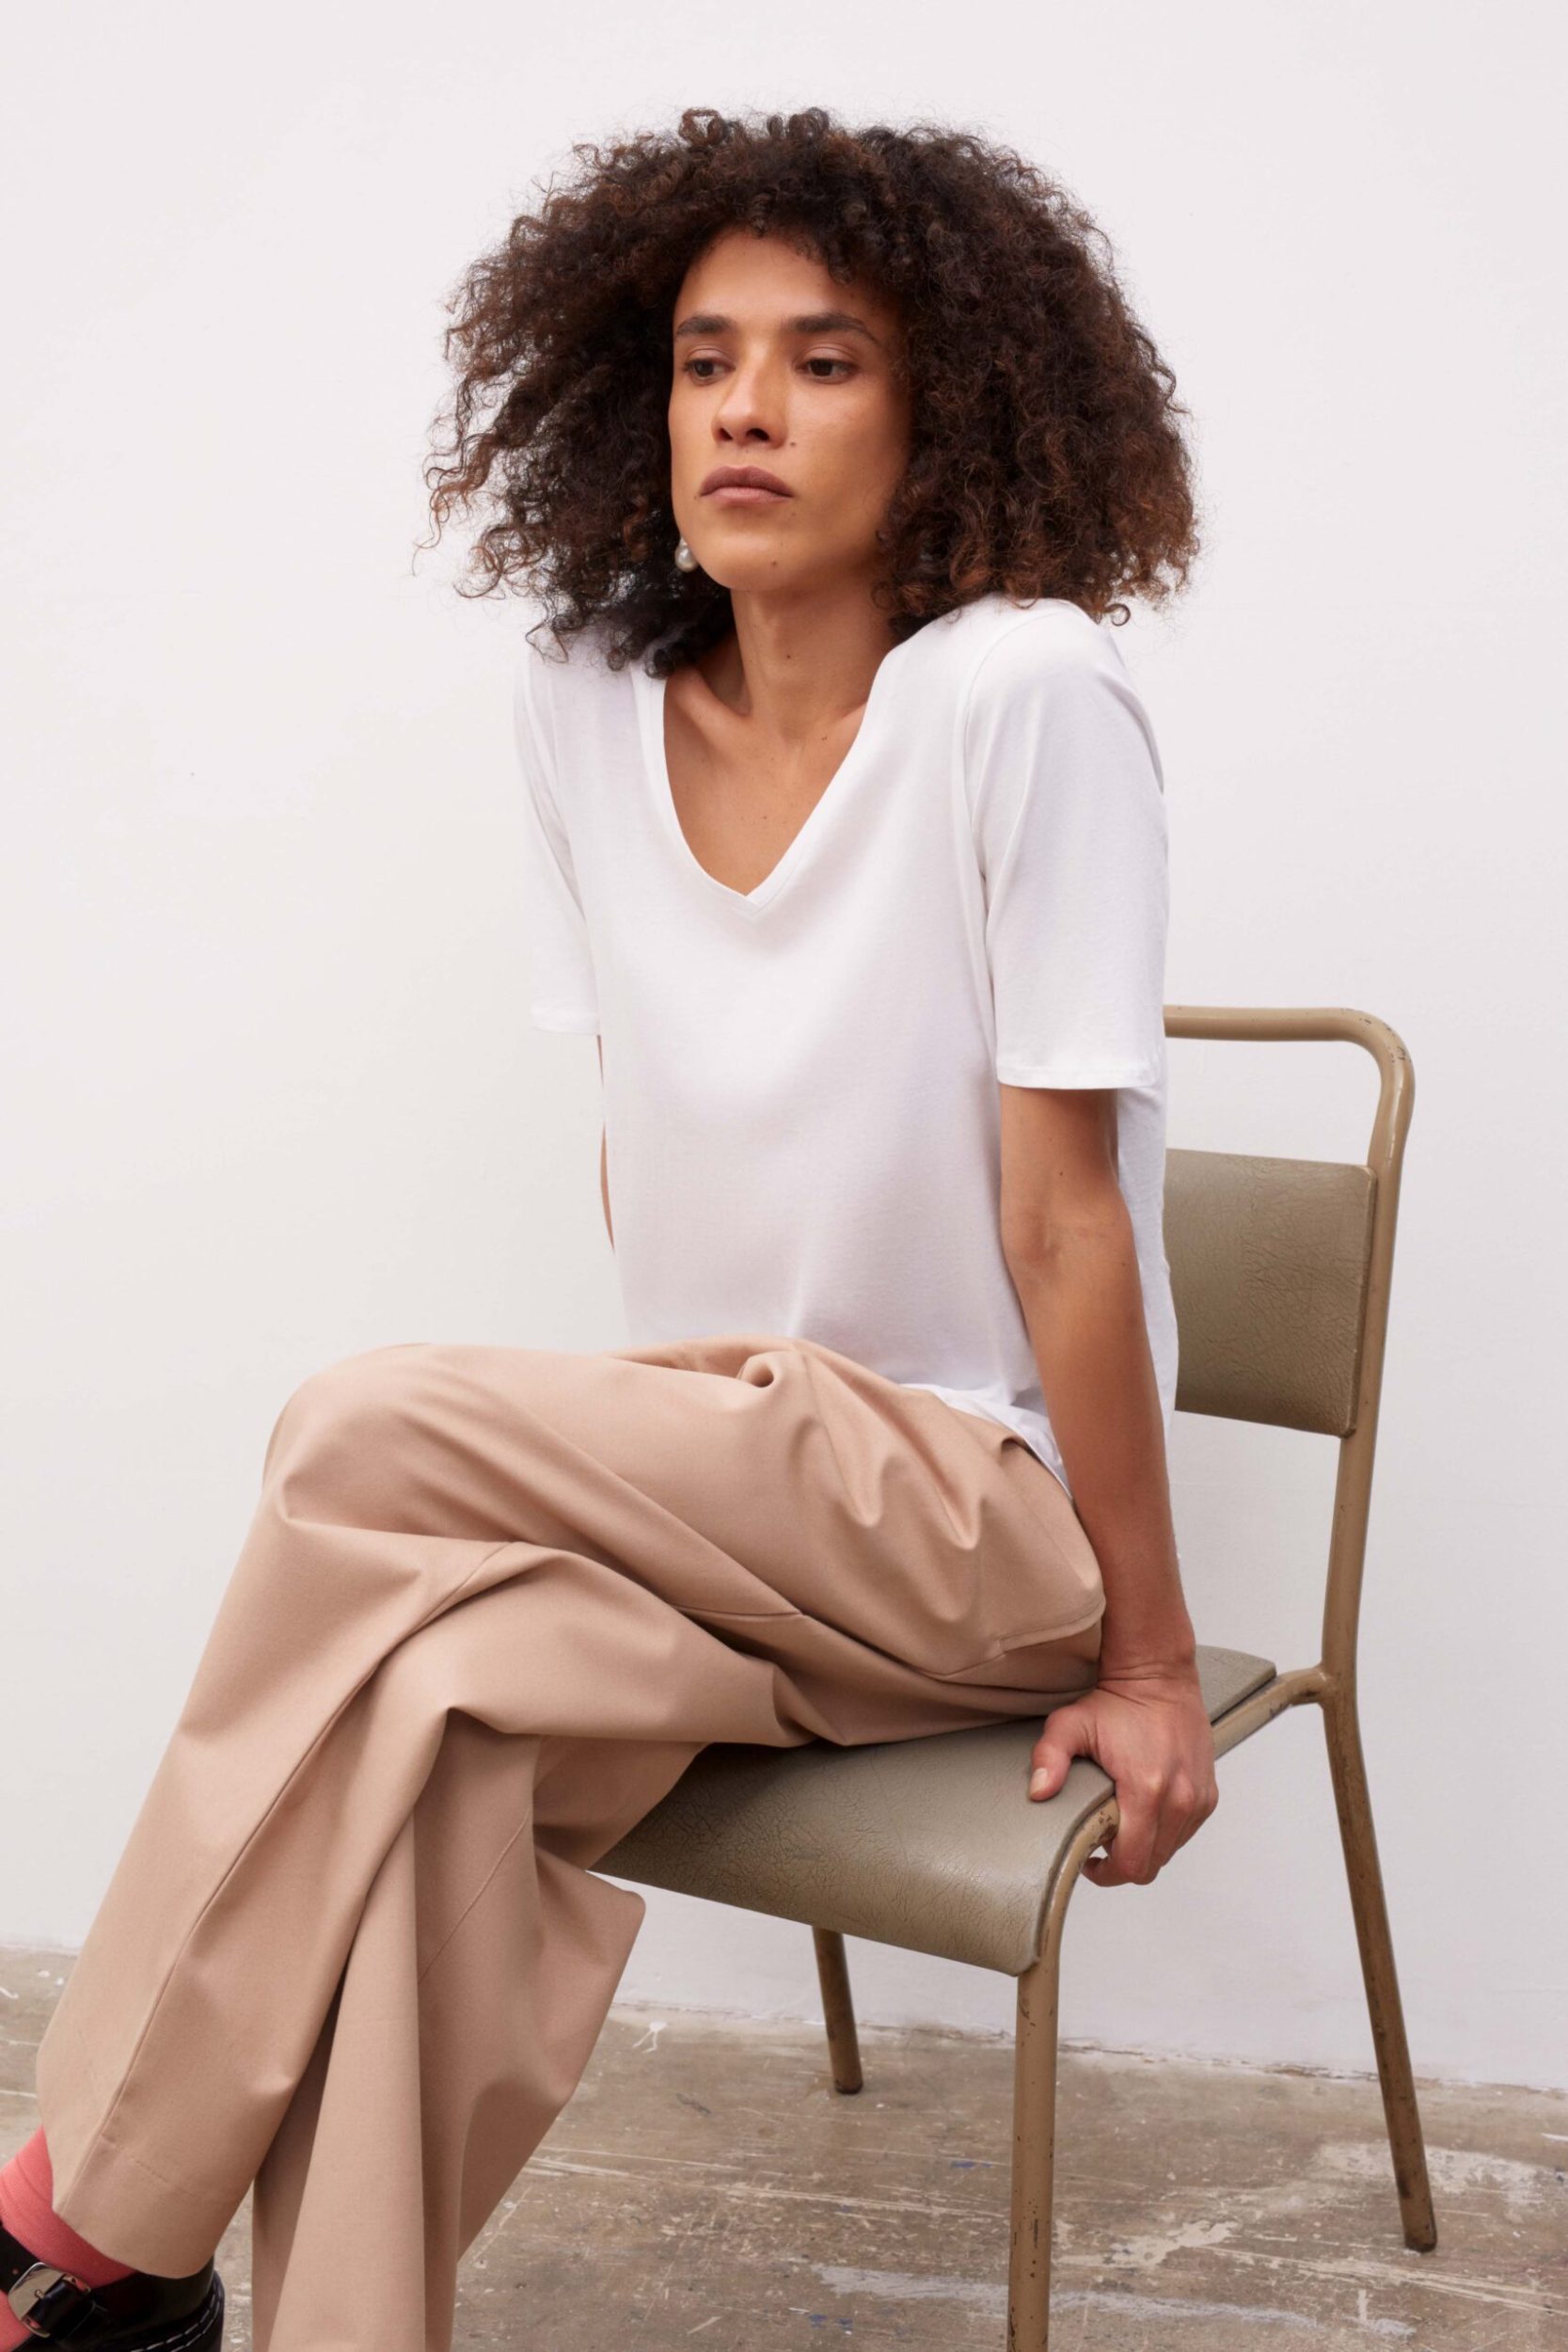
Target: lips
x,y
745,478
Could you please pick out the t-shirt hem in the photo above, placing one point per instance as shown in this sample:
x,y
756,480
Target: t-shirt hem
x,y
1021,1073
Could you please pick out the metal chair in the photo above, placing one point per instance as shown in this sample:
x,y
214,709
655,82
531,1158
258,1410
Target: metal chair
x,y
1281,1273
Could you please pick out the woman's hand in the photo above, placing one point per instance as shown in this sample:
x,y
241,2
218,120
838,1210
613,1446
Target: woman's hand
x,y
1148,1728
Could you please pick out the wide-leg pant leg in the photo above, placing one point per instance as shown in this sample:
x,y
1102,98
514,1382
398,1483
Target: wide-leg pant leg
x,y
492,1603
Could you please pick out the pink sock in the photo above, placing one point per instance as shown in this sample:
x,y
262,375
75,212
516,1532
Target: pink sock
x,y
26,2186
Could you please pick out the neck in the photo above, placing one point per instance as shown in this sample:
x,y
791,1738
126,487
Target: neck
x,y
799,660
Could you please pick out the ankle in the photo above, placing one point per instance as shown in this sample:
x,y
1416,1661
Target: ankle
x,y
27,2209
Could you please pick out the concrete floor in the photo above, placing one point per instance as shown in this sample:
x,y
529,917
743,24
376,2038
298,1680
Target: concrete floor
x,y
706,2186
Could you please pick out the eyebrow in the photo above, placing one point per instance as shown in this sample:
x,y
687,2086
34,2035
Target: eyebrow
x,y
808,323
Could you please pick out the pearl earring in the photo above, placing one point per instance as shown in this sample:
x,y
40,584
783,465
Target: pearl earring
x,y
685,559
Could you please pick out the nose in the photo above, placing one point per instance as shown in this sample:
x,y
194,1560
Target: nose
x,y
750,409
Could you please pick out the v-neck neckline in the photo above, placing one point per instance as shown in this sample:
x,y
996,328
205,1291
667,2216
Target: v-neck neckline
x,y
651,693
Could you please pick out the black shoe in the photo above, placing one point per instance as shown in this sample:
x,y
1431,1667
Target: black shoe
x,y
141,2314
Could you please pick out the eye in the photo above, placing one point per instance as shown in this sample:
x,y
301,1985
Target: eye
x,y
823,368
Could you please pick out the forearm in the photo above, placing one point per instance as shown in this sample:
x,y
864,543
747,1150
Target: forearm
x,y
1082,1303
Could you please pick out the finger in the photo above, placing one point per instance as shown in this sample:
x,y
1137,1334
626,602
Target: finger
x,y
1109,1869
1105,1870
1182,1815
1134,1850
1201,1813
1058,1743
1180,1825
1179,1817
1200,1804
1172,1832
1170,1820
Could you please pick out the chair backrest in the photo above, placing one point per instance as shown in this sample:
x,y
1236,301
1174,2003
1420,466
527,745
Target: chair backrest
x,y
1280,1275
1269,1261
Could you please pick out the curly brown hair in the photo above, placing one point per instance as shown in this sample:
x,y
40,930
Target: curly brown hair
x,y
1045,457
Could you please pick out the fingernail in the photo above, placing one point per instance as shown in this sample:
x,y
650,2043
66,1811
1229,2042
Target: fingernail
x,y
1039,1781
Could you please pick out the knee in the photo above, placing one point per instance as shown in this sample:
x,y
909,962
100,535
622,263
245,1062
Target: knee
x,y
349,1424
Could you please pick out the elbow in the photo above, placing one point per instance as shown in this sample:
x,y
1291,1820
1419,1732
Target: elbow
x,y
1039,1248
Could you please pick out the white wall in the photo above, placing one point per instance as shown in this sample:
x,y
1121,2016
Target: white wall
x,y
270,1093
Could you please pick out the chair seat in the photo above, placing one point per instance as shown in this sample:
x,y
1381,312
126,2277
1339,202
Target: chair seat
x,y
931,1844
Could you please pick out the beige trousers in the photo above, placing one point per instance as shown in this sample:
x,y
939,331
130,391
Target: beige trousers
x,y
493,1601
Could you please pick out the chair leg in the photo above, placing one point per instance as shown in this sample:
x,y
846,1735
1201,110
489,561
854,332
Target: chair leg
x,y
838,2008
1034,2154
1353,1800
1034,2103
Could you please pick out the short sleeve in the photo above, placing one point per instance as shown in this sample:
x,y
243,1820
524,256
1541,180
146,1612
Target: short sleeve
x,y
564,996
1067,802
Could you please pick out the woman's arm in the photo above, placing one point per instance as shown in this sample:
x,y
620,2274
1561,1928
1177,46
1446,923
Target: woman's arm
x,y
1068,1243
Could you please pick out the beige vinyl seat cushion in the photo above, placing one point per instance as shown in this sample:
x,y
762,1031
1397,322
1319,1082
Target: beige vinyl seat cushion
x,y
930,1844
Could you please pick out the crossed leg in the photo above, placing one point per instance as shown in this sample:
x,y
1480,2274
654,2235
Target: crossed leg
x,y
492,1603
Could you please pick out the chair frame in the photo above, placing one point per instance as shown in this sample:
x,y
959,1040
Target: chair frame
x,y
1331,1685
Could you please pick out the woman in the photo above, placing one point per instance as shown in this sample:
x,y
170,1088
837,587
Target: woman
x,y
828,453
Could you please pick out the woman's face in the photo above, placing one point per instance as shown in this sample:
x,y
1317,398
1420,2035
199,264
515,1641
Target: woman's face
x,y
780,366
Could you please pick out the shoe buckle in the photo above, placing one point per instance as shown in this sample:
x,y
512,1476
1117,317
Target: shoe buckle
x,y
52,2294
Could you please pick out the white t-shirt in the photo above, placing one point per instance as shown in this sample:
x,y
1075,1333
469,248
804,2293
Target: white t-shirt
x,y
801,1117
